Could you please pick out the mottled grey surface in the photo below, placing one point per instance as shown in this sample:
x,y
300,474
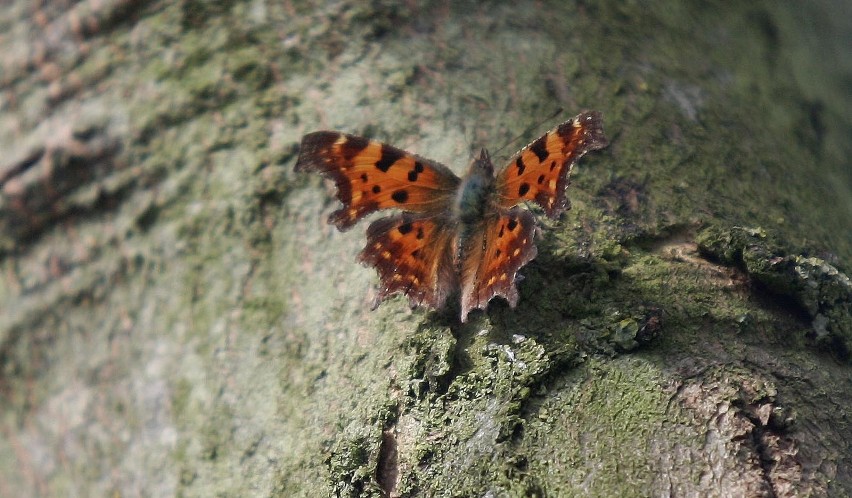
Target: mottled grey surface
x,y
176,318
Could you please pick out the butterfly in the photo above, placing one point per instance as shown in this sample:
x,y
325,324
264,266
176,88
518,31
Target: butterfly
x,y
450,234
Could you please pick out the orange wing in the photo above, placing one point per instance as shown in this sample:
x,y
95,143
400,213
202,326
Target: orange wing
x,y
371,176
492,257
540,171
414,256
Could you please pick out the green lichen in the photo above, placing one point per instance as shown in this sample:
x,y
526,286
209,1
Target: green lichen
x,y
353,463
602,409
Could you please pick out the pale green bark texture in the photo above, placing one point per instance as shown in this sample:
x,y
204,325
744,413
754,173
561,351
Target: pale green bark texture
x,y
177,318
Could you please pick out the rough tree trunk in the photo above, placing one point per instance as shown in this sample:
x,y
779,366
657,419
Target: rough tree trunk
x,y
176,318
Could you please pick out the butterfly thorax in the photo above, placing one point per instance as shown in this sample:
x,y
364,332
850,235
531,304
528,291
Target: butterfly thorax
x,y
475,192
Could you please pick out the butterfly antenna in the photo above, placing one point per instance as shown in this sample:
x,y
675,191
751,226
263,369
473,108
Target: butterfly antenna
x,y
529,129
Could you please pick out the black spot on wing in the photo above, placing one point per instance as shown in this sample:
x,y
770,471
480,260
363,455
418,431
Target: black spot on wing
x,y
539,148
400,196
519,163
523,189
418,168
353,146
513,223
404,228
376,189
388,157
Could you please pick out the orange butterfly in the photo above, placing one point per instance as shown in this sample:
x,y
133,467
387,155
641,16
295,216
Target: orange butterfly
x,y
453,233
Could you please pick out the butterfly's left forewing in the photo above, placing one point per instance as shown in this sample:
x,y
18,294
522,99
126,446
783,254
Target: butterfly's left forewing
x,y
371,176
540,171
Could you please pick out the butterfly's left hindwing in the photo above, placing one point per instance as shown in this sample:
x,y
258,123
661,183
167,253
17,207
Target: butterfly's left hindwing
x,y
371,176
502,245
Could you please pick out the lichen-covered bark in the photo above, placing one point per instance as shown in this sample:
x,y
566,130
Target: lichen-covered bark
x,y
176,318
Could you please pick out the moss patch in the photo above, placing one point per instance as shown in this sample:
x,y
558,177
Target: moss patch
x,y
818,288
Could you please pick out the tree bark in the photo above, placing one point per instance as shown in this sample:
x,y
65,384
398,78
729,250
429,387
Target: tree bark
x,y
176,317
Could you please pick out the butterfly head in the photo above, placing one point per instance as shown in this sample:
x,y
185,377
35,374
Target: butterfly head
x,y
483,165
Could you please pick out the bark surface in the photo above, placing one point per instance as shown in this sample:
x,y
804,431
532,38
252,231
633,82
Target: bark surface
x,y
176,317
